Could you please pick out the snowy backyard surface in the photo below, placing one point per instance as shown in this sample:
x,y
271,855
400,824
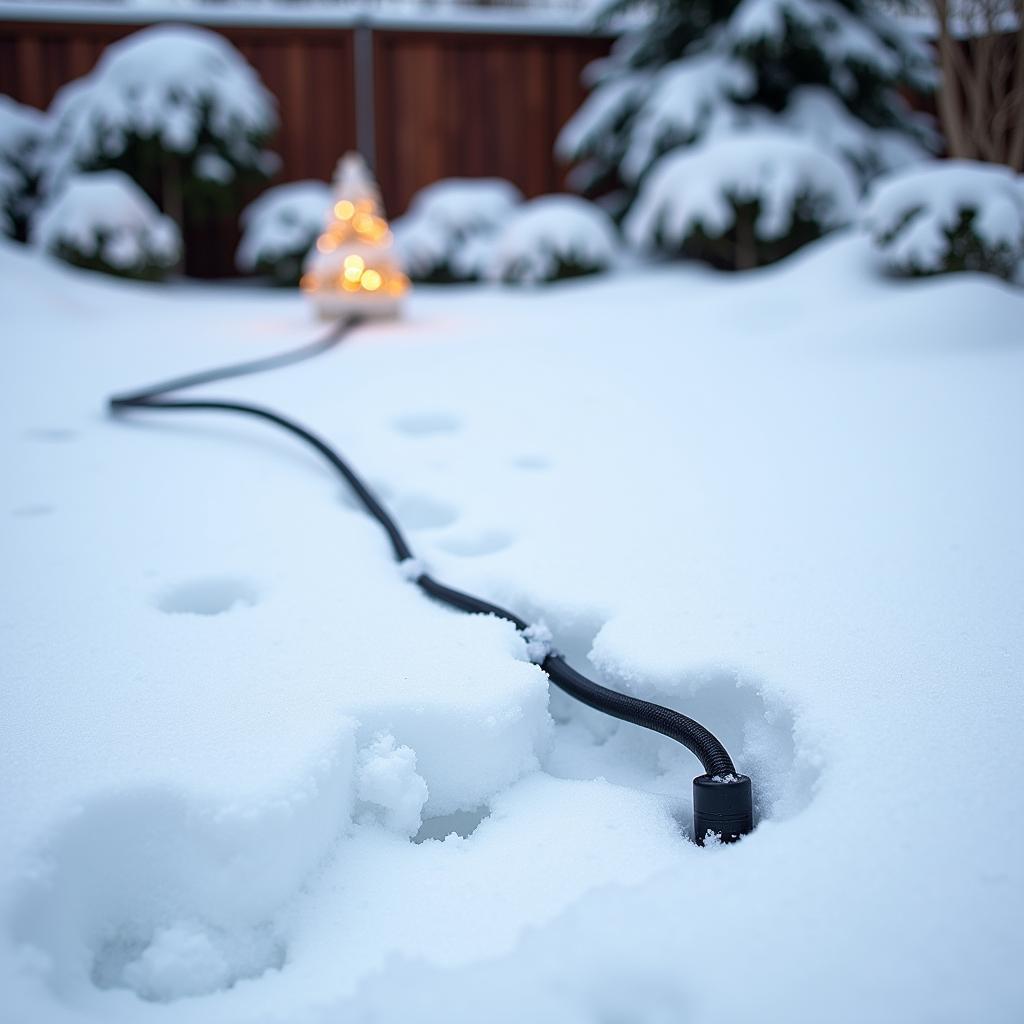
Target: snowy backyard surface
x,y
234,738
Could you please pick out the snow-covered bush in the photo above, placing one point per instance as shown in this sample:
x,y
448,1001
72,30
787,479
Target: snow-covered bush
x,y
828,71
280,227
448,232
553,237
22,130
175,107
948,216
104,221
743,200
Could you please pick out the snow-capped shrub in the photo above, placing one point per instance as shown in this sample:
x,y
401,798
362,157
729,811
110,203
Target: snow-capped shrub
x,y
554,237
447,232
948,216
280,227
22,130
104,221
175,107
741,201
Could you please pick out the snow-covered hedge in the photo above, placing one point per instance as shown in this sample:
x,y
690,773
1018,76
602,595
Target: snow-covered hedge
x,y
22,130
554,237
280,227
104,221
448,232
176,107
742,200
948,216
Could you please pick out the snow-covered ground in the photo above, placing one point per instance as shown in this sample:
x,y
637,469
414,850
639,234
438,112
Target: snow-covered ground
x,y
788,503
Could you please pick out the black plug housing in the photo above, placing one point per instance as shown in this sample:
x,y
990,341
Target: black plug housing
x,y
722,805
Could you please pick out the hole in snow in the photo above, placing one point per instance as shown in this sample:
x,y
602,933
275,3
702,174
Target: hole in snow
x,y
460,823
419,512
531,462
211,596
32,511
486,542
759,730
422,424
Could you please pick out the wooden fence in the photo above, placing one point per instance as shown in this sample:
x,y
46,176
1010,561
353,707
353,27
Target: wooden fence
x,y
422,104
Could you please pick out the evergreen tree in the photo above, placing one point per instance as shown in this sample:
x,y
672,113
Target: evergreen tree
x,y
697,72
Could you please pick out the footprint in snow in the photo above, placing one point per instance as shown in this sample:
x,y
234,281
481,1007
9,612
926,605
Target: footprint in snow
x,y
486,542
208,596
423,424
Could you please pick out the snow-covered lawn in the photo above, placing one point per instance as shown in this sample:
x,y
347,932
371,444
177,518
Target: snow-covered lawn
x,y
789,503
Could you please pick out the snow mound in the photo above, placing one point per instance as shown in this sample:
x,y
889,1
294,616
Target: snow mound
x,y
699,189
448,231
105,221
280,227
953,215
166,83
553,237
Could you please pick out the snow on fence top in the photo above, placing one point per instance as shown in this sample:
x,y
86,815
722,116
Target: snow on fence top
x,y
573,18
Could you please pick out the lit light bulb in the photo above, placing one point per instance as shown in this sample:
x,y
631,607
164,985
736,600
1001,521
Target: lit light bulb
x,y
343,209
370,280
327,243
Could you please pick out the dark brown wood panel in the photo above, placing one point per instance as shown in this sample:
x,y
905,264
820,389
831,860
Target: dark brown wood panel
x,y
472,104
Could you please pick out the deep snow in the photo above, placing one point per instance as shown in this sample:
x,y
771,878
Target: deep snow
x,y
788,503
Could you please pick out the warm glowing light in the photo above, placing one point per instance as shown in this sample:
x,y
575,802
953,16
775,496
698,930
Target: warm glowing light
x,y
351,267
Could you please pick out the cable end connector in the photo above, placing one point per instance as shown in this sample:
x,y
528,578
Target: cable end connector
x,y
723,807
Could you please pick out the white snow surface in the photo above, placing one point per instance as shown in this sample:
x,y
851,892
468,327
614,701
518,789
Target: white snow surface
x,y
551,229
908,213
692,187
156,83
106,214
282,220
787,503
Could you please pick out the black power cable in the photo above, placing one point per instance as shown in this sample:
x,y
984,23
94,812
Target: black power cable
x,y
722,801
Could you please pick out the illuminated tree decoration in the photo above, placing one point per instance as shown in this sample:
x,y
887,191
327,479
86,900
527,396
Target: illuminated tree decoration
x,y
352,269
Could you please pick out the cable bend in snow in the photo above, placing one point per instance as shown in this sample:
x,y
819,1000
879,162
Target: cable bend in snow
x,y
722,798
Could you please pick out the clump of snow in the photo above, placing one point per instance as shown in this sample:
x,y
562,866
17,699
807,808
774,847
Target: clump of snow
x,y
104,221
411,569
553,237
280,227
539,642
948,216
448,231
387,780
696,193
186,89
